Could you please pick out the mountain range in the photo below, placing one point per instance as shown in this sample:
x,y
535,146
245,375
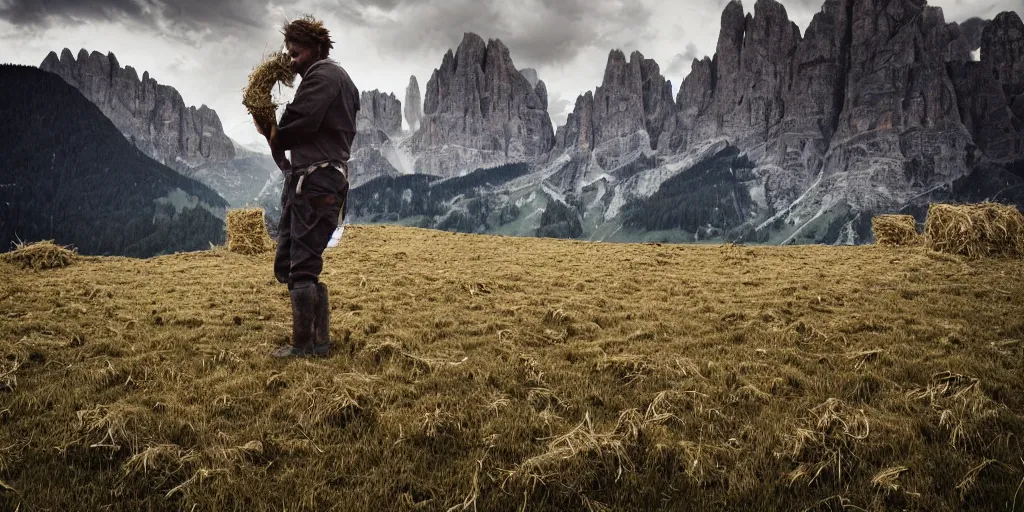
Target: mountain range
x,y
156,120
779,137
69,175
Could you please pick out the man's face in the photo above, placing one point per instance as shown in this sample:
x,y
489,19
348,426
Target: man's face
x,y
302,57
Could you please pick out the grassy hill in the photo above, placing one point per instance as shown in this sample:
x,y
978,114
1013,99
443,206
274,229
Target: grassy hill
x,y
487,373
68,174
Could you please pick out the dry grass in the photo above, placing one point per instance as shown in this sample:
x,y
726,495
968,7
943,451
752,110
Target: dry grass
x,y
40,255
257,96
895,230
488,373
247,232
976,230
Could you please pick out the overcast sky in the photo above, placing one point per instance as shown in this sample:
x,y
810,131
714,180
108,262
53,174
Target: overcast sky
x,y
206,48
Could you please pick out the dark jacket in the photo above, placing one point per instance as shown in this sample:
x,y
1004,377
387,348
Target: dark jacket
x,y
320,123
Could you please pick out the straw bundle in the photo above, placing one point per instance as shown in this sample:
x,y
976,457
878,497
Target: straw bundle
x,y
247,234
975,231
895,230
257,94
41,255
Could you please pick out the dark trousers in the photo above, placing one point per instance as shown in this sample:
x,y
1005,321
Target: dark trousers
x,y
307,222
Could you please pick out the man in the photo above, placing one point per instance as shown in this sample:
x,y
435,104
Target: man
x,y
318,127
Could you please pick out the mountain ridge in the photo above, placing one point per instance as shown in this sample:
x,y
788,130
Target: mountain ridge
x,y
810,110
93,189
874,107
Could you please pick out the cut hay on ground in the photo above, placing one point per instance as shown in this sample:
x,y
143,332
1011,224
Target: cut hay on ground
x,y
485,373
257,94
895,230
40,255
247,234
976,231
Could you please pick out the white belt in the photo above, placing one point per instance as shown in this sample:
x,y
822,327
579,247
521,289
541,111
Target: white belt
x,y
309,169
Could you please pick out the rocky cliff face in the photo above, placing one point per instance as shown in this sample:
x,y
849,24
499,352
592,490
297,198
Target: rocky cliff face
x,y
812,94
413,104
153,116
633,102
876,106
972,30
991,92
900,131
862,112
1002,52
379,111
752,68
479,111
378,123
779,137
155,119
617,125
541,90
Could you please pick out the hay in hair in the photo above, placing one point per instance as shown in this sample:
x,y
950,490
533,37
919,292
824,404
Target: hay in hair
x,y
247,234
976,230
40,255
895,230
309,31
257,96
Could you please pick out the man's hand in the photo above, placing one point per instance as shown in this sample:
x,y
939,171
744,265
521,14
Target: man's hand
x,y
281,160
268,133
271,135
259,128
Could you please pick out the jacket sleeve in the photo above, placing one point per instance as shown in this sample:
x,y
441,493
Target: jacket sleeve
x,y
305,113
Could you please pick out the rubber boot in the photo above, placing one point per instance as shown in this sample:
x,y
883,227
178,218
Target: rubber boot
x,y
304,307
322,341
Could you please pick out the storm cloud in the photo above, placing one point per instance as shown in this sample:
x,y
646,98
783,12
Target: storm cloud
x,y
680,63
207,19
539,32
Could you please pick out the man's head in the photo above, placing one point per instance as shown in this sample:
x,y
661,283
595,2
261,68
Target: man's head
x,y
307,41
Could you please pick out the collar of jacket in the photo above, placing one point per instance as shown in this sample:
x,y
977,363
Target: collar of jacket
x,y
320,63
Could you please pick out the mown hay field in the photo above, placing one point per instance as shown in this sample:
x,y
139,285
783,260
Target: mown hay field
x,y
489,373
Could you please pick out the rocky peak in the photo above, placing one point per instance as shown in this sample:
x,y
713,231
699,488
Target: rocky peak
x,y
633,98
479,103
972,30
739,94
541,90
900,129
863,97
729,50
413,104
52,60
379,119
990,93
697,89
531,76
813,100
379,111
1002,51
153,116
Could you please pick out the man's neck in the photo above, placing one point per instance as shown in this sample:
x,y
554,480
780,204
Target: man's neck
x,y
311,66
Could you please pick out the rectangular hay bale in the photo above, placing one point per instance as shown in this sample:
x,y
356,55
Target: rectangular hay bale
x,y
895,230
247,233
976,230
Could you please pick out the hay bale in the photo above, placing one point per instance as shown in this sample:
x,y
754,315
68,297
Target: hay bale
x,y
976,230
895,230
256,96
247,234
41,255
